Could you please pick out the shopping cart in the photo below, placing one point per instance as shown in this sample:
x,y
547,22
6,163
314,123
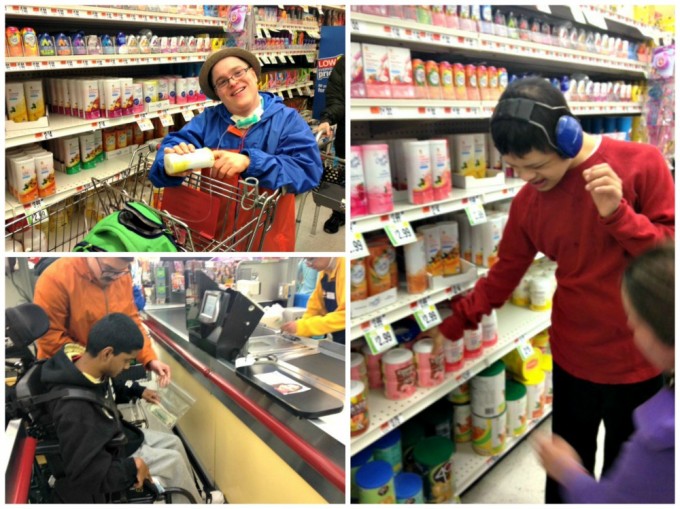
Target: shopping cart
x,y
331,189
203,214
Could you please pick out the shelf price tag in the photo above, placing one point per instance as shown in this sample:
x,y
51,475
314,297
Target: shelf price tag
x,y
166,120
380,338
393,423
427,316
292,60
145,124
265,60
188,115
36,212
525,350
400,233
475,211
358,248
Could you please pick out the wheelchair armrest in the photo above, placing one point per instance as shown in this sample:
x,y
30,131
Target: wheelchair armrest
x,y
47,447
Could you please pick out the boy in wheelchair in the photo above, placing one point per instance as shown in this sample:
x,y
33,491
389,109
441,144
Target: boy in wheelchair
x,y
101,453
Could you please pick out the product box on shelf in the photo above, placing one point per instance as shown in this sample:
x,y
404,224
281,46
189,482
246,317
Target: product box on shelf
x,y
120,152
376,70
493,178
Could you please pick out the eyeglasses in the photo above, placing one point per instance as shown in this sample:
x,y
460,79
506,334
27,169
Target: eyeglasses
x,y
107,272
223,82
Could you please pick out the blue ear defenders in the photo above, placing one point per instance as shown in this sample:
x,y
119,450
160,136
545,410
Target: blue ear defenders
x,y
568,131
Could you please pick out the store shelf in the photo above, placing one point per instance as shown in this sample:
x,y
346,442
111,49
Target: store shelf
x,y
468,466
24,64
442,289
306,88
457,200
278,26
65,125
283,56
515,325
67,186
475,44
113,15
424,109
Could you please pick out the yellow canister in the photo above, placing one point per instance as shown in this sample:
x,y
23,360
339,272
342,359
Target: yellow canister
x,y
535,385
547,367
522,361
488,434
541,339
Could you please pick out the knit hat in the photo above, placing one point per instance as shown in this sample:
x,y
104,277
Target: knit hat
x,y
204,77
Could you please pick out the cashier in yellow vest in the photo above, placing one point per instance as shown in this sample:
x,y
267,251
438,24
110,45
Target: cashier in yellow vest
x,y
326,306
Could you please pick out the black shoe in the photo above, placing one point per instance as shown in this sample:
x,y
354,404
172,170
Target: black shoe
x,y
333,224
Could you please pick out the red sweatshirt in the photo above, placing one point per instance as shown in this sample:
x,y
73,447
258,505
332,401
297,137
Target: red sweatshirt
x,y
589,336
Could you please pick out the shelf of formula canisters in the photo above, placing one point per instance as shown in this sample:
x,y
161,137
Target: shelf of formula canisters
x,y
468,466
55,63
515,325
388,309
301,88
69,185
65,125
457,200
428,37
104,14
427,109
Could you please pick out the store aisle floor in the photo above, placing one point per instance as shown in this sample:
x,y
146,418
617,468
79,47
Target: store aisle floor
x,y
321,241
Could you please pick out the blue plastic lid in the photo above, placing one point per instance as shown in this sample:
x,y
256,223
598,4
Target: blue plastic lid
x,y
373,475
361,458
407,485
392,438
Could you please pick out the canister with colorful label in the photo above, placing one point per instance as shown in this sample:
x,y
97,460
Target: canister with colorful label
x,y
434,88
357,461
440,165
430,367
432,248
462,423
415,260
446,73
454,353
388,449
460,394
547,367
433,461
488,434
419,79
373,368
409,488
359,284
516,400
378,178
535,385
378,266
473,342
375,483
489,329
399,373
359,418
359,203
450,246
487,391
418,172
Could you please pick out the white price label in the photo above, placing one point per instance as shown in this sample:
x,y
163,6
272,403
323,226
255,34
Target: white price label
x,y
464,377
145,124
393,423
358,248
577,13
292,60
475,211
48,135
525,350
310,57
355,25
380,339
267,33
400,233
386,111
166,120
265,60
427,317
188,115
36,212
290,94
456,289
596,19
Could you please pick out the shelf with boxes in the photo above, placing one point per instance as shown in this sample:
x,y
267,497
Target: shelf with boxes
x,y
72,62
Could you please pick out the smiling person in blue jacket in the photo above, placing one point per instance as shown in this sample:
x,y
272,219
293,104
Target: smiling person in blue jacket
x,y
252,134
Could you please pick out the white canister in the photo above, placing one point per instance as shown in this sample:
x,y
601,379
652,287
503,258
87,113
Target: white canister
x,y
358,369
516,401
462,423
137,97
476,244
540,293
489,329
415,258
181,90
488,434
192,86
492,232
89,93
450,248
535,394
480,154
429,367
464,236
440,164
418,172
454,353
150,91
178,163
74,96
520,295
44,168
399,373
88,150
163,89
35,99
463,154
378,178
433,248
127,96
473,342
112,99
487,391
399,161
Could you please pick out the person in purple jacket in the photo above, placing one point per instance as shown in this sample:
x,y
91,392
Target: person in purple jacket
x,y
644,471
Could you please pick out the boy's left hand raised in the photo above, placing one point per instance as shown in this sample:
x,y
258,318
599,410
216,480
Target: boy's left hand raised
x,y
605,188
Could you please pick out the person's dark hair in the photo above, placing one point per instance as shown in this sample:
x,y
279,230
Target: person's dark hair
x,y
517,137
649,283
116,330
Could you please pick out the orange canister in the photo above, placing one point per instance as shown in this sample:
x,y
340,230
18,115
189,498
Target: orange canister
x,y
434,85
419,79
359,284
493,83
483,82
446,73
378,265
459,82
471,82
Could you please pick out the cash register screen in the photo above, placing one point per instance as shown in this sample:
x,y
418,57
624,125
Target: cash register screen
x,y
209,307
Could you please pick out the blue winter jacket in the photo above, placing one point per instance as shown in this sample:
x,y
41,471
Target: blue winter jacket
x,y
281,146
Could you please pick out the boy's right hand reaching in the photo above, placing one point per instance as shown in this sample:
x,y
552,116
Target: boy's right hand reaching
x,y
142,472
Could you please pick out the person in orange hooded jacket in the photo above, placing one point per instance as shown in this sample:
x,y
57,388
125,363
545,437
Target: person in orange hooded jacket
x,y
76,292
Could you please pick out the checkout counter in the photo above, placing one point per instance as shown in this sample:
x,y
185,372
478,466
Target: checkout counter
x,y
269,421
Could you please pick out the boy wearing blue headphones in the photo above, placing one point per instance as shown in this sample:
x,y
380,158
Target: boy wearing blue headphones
x,y
591,203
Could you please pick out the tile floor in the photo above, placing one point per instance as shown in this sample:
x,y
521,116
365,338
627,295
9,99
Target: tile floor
x,y
321,241
518,478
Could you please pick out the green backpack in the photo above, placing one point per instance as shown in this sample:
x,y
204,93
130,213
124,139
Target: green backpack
x,y
136,228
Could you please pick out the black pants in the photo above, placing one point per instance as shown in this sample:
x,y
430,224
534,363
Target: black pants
x,y
578,408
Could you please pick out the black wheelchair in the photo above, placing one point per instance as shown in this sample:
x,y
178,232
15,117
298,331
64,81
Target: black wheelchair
x,y
27,421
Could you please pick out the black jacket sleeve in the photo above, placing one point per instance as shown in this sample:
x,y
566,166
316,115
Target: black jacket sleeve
x,y
334,111
90,465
